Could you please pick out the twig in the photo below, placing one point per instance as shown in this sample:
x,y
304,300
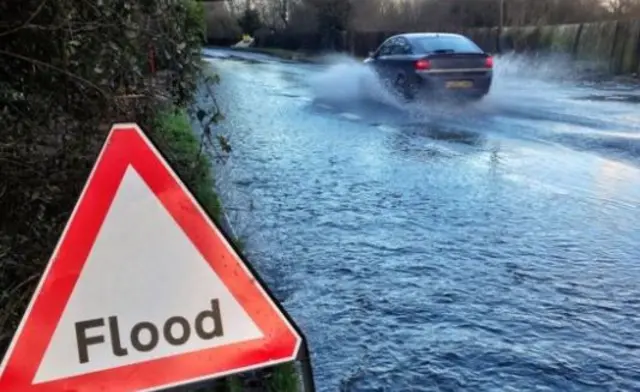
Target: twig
x,y
22,284
79,28
36,12
130,96
199,154
53,67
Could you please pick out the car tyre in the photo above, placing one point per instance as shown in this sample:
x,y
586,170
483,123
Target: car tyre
x,y
404,88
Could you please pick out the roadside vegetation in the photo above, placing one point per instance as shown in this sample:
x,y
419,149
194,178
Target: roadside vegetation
x,y
69,69
600,36
323,24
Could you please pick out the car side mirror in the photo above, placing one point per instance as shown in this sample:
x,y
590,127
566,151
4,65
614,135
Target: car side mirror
x,y
372,54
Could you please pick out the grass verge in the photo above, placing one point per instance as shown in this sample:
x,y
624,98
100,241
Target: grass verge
x,y
284,54
302,56
174,136
183,149
284,378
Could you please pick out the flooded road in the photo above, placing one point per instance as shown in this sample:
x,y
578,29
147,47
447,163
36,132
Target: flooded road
x,y
486,247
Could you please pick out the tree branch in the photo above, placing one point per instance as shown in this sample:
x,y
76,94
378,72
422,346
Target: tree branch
x,y
35,13
53,67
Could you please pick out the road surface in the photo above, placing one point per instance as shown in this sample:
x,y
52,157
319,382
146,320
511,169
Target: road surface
x,y
491,247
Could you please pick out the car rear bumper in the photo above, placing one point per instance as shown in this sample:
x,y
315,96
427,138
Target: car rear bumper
x,y
456,82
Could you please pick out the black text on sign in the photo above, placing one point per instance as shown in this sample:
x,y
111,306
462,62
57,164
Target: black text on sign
x,y
145,335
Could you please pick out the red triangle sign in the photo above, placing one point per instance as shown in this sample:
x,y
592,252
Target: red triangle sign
x,y
143,291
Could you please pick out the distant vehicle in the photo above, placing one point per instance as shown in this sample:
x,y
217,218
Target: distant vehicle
x,y
433,64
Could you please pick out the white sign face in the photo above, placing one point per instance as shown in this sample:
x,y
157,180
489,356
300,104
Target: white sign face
x,y
144,293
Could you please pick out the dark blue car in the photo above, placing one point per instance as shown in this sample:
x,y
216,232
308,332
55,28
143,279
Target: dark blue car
x,y
433,64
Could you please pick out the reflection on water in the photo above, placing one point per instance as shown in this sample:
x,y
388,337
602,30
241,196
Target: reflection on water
x,y
443,133
614,180
429,141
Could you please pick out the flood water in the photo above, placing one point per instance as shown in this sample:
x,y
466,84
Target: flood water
x,y
488,247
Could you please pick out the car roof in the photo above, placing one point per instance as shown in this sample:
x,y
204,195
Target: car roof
x,y
430,35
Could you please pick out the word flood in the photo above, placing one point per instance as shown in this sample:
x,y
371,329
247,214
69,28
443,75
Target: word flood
x,y
145,336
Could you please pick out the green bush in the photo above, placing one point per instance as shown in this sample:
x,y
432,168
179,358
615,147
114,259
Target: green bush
x,y
173,134
68,70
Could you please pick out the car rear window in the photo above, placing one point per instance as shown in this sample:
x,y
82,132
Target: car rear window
x,y
446,43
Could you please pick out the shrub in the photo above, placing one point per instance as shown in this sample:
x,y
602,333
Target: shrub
x,y
68,69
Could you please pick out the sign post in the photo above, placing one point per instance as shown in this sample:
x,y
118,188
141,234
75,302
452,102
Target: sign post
x,y
144,291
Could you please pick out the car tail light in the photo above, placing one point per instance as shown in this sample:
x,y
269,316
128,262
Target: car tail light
x,y
422,65
488,62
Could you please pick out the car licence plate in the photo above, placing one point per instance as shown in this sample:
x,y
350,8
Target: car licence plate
x,y
459,84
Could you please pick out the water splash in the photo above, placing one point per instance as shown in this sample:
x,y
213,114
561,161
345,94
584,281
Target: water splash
x,y
348,80
551,67
525,87
522,81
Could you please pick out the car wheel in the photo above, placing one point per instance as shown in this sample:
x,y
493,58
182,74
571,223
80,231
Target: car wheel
x,y
404,88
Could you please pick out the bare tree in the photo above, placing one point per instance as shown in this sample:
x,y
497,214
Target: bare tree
x,y
236,7
221,23
282,7
274,13
622,8
331,17
302,18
